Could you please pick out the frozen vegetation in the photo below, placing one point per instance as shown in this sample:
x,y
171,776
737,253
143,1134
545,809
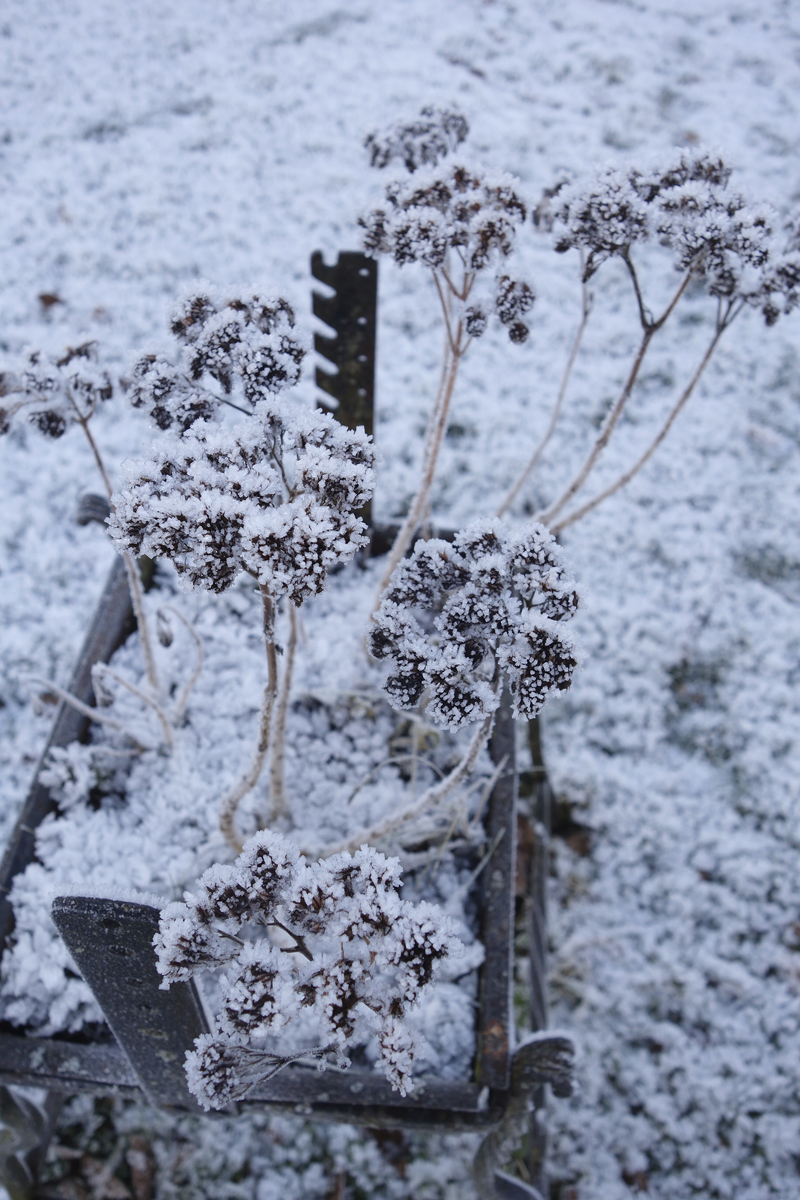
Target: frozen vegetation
x,y
144,151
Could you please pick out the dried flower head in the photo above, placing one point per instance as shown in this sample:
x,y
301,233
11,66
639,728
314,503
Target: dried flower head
x,y
238,347
275,495
359,958
455,618
685,205
435,133
461,213
55,394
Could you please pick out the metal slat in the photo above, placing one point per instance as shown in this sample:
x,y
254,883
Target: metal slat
x,y
497,911
111,942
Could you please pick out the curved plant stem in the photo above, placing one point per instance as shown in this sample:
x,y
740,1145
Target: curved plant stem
x,y
524,475
429,798
131,568
650,329
230,802
163,719
628,475
434,435
278,803
86,710
188,687
416,513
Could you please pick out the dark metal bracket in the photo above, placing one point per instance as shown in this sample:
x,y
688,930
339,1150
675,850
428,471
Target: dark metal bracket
x,y
352,313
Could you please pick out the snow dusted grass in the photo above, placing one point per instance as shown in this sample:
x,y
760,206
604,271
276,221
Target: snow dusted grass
x,y
146,149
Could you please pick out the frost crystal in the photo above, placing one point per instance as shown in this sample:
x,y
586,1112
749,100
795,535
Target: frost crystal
x,y
275,495
456,617
460,211
685,205
241,346
359,958
56,394
435,133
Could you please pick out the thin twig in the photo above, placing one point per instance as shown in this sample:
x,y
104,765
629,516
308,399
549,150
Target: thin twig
x,y
166,728
628,475
415,513
556,413
85,710
390,762
429,798
278,804
610,423
183,699
230,802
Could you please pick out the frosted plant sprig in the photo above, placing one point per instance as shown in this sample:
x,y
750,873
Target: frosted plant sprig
x,y
459,223
234,351
55,394
456,622
713,235
458,617
358,960
423,142
275,495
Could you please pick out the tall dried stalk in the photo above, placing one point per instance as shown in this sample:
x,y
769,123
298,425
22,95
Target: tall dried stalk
x,y
456,345
230,803
650,328
527,470
278,801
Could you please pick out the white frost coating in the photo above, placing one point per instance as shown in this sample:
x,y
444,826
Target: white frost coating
x,y
357,958
499,600
274,495
683,202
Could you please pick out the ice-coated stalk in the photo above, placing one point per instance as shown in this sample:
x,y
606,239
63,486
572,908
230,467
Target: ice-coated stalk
x,y
628,475
278,801
528,469
230,803
429,798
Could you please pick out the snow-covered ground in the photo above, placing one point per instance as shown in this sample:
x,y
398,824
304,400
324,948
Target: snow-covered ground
x,y
145,147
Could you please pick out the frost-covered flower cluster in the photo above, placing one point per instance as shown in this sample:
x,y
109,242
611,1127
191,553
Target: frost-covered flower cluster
x,y
357,960
275,495
55,394
459,212
685,205
434,134
242,347
456,618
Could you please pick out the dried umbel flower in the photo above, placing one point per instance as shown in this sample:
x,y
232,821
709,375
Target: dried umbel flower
x,y
435,133
55,394
456,618
275,495
358,960
240,348
685,205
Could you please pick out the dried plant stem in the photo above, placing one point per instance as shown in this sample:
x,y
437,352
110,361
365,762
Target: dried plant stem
x,y
131,568
429,798
278,802
650,328
230,802
628,475
527,470
86,710
188,687
163,719
455,349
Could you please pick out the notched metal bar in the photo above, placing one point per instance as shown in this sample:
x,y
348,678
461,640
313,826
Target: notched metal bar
x,y
112,944
352,314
